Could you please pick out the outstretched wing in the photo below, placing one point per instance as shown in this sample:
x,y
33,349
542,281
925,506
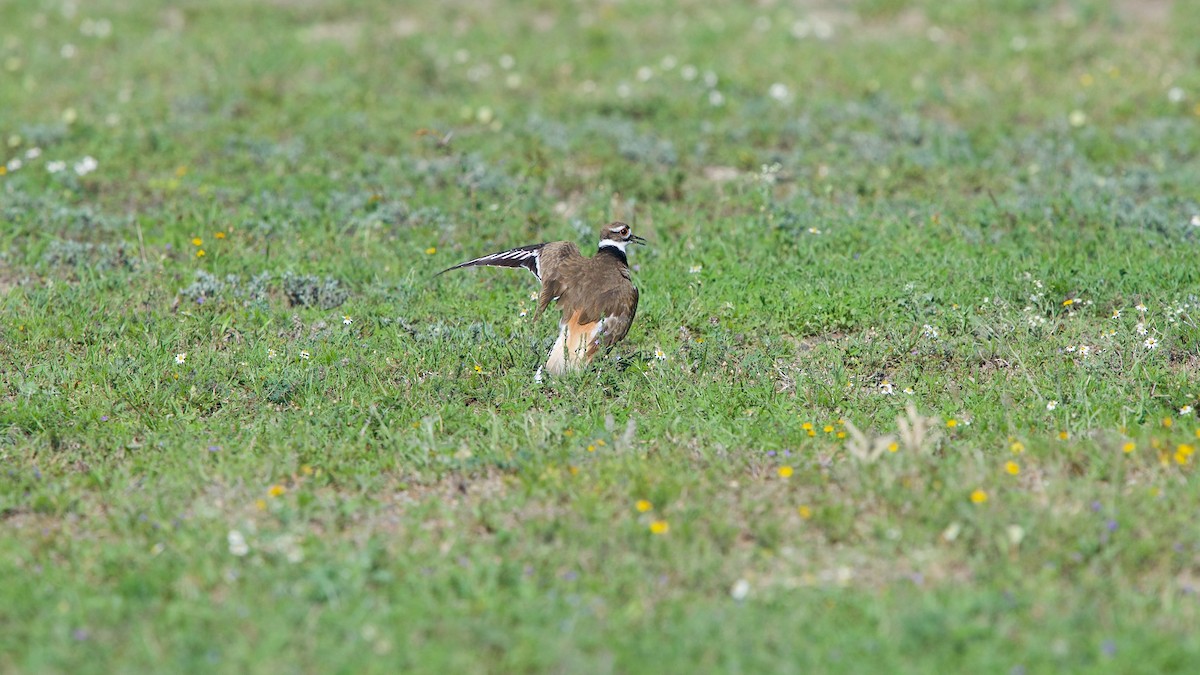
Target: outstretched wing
x,y
528,257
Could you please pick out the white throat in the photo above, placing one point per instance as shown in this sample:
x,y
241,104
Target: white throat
x,y
619,245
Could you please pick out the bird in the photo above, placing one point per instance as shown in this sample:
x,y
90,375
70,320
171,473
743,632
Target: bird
x,y
595,295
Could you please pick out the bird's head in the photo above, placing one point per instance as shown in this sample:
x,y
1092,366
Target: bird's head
x,y
618,235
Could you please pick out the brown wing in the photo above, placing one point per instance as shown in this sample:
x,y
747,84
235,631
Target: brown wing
x,y
615,303
558,260
617,325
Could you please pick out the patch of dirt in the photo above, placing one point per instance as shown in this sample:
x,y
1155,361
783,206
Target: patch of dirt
x,y
1153,12
346,33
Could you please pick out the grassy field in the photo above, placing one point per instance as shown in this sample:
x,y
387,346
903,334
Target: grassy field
x,y
910,389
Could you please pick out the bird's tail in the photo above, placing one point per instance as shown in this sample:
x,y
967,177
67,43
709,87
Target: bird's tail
x,y
524,256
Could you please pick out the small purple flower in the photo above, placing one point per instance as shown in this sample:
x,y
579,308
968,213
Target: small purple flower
x,y
917,578
787,453
80,634
1108,647
770,453
200,300
1111,525
104,418
570,575
214,448
1096,506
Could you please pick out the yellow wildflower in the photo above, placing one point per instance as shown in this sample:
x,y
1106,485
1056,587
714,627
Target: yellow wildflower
x,y
807,426
431,250
643,505
785,472
951,423
219,235
1129,447
1062,435
828,429
1167,422
978,496
591,448
276,490
805,512
893,446
197,241
200,253
660,527
1012,468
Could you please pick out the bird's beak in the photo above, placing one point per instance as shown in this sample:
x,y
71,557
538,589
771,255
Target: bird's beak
x,y
637,240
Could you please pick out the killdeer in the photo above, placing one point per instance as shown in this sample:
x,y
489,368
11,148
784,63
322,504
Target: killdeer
x,y
596,295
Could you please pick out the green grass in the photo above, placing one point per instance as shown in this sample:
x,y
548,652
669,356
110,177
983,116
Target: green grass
x,y
950,199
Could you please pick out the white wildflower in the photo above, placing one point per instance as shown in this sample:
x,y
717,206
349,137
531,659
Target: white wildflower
x,y
304,354
1140,328
741,588
1151,343
929,332
346,320
1185,410
86,165
56,166
180,358
886,388
1051,405
237,543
